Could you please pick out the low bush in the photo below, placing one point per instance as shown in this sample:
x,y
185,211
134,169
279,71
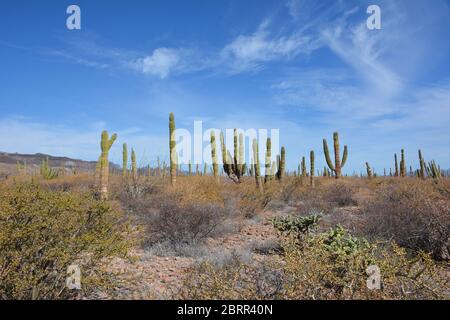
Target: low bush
x,y
329,265
179,225
43,232
339,195
414,215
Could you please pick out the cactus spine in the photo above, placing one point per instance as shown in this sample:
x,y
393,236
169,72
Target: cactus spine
x,y
311,170
106,144
172,148
268,172
338,164
124,161
281,164
214,155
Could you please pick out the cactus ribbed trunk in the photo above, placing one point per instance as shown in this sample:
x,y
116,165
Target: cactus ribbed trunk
x,y
369,170
172,149
338,164
106,144
402,164
215,163
241,164
396,165
422,166
124,161
281,164
311,171
268,161
134,166
256,165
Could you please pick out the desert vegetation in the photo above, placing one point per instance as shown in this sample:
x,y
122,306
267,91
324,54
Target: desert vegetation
x,y
234,230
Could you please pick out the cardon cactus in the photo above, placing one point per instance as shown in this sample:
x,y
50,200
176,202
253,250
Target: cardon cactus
x,y
256,165
190,168
402,164
134,172
47,172
106,144
268,169
172,149
396,174
281,164
422,166
215,162
230,164
433,170
311,171
240,158
124,161
369,170
303,167
338,164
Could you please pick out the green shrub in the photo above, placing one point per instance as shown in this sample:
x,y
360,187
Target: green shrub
x,y
329,265
295,226
43,232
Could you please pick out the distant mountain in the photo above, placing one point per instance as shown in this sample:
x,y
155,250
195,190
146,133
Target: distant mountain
x,y
8,162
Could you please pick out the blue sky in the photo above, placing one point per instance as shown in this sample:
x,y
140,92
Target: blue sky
x,y
306,67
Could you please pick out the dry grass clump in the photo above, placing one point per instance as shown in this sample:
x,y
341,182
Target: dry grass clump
x,y
413,214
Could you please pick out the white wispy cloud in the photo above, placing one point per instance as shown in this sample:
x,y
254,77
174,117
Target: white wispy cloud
x,y
248,52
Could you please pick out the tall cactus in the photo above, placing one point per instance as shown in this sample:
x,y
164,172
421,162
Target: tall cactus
x,y
106,144
402,164
256,165
311,170
268,170
281,164
338,164
422,166
230,164
369,170
396,174
215,164
190,168
303,167
241,164
134,172
173,151
124,161
433,170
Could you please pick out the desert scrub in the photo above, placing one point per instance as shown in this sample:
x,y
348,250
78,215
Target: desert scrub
x,y
414,214
43,232
328,265
176,225
295,226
